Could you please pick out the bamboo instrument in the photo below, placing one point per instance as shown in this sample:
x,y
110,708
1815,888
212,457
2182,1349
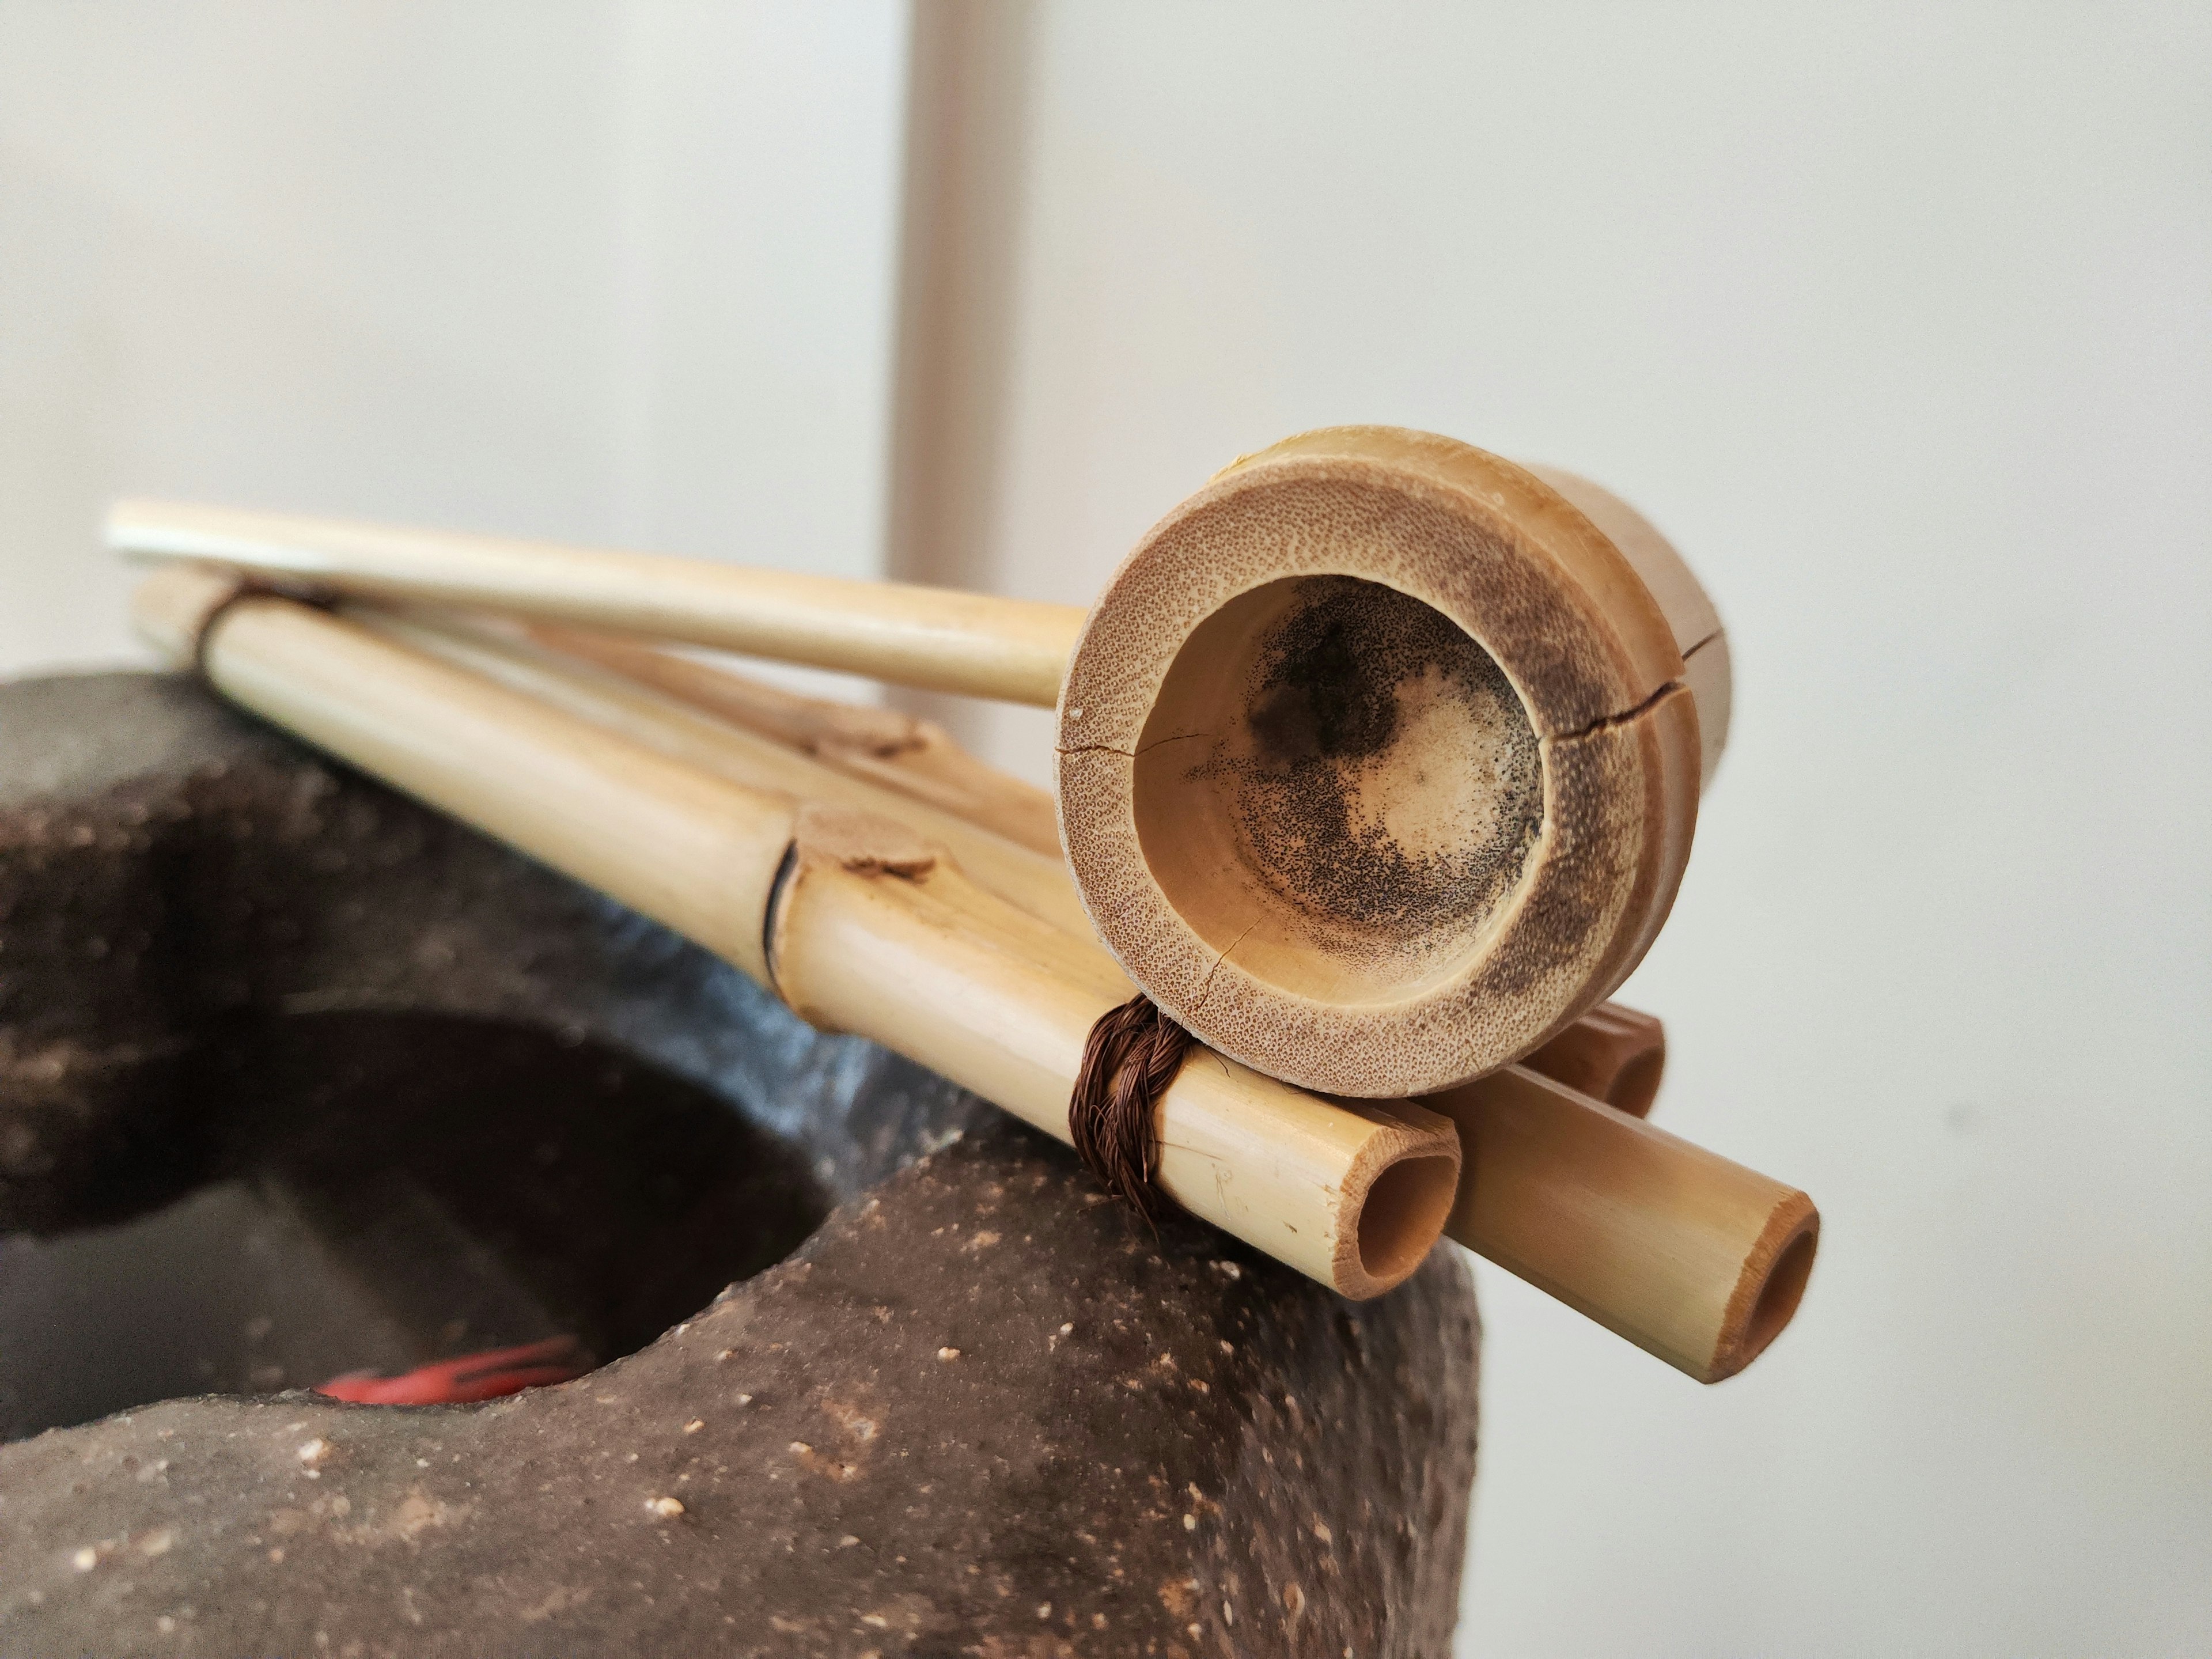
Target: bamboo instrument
x,y
1612,1053
1378,758
859,924
1693,1258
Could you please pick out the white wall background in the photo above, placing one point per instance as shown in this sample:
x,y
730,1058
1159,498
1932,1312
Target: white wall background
x,y
1898,319
597,271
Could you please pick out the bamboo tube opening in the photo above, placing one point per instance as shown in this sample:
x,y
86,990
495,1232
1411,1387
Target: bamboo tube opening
x,y
1776,1287
1378,762
1339,784
1401,1212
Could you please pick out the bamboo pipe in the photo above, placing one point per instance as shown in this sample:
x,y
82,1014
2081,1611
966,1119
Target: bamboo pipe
x,y
1378,757
965,983
1695,1258
1690,1257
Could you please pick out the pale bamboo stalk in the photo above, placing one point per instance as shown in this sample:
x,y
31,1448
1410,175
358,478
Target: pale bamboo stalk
x,y
881,745
1026,877
1691,1257
932,638
959,981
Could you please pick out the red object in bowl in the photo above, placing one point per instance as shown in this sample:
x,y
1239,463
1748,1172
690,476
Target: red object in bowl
x,y
473,1377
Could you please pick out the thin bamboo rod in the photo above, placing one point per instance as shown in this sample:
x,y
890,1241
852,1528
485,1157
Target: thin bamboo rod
x,y
957,980
932,638
1691,1257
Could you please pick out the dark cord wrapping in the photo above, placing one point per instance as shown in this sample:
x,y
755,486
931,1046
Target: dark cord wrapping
x,y
1130,1056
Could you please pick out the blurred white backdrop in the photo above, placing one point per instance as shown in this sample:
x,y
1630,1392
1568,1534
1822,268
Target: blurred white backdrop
x,y
1898,319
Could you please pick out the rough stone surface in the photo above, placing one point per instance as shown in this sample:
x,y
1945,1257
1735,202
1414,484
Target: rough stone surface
x,y
979,1410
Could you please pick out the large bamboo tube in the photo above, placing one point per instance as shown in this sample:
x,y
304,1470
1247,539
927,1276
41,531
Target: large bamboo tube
x,y
982,992
1692,1258
1696,1259
1378,758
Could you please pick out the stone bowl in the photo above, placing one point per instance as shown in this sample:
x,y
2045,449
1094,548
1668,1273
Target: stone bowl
x,y
297,1077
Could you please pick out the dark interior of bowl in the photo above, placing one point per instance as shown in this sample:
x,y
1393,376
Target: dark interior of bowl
x,y
299,1079
372,1191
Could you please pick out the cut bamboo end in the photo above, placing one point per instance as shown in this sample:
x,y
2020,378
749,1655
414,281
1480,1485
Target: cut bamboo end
x,y
1377,762
1612,1054
1693,1258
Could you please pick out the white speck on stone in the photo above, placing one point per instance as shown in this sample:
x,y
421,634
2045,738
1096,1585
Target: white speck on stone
x,y
1190,1523
1068,1329
1227,1346
422,1462
85,1560
1044,1609
165,1624
847,1542
694,1426
313,1452
158,1541
632,1458
664,1508
1321,1532
745,1399
875,1621
948,1354
1228,1613
725,1354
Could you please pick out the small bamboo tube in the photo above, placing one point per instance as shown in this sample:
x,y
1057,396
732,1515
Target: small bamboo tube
x,y
1612,1054
1691,1257
926,636
956,979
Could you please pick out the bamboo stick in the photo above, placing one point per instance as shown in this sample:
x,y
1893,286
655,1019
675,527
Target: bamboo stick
x,y
933,638
1669,1245
875,931
1691,1257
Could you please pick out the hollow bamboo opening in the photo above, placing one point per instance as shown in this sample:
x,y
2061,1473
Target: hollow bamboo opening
x,y
1340,785
1401,1212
